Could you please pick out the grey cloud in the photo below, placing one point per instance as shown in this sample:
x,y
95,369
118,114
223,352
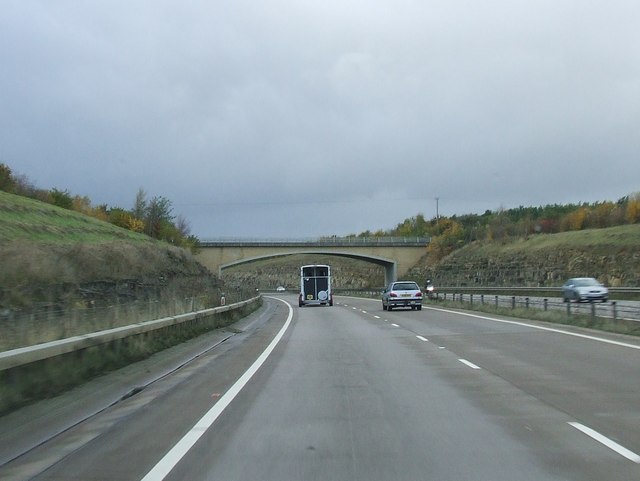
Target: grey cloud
x,y
236,111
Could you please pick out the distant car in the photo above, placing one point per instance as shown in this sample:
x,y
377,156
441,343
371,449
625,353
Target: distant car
x,y
402,294
280,289
584,289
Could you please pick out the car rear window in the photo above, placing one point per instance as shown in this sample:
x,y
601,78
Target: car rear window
x,y
406,286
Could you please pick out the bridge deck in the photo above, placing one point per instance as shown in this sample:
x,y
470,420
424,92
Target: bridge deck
x,y
319,242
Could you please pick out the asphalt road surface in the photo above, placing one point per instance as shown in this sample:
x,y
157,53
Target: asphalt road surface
x,y
349,392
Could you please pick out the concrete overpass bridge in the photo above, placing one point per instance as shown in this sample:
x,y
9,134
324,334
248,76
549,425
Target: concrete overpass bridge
x,y
396,254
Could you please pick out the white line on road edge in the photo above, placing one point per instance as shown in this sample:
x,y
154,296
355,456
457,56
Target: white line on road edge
x,y
173,457
470,364
630,455
422,338
549,329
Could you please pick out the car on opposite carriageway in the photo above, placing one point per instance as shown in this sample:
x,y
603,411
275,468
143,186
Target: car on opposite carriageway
x,y
584,289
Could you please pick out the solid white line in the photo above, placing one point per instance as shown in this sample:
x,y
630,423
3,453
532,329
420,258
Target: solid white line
x,y
173,457
470,364
422,338
549,329
621,450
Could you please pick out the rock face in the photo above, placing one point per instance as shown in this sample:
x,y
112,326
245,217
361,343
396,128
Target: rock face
x,y
610,255
285,272
36,274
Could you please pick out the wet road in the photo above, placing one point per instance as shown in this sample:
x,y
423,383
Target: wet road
x,y
354,392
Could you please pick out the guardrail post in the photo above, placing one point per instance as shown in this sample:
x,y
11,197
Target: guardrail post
x,y
593,312
482,299
615,310
568,309
526,302
513,302
496,302
545,301
471,299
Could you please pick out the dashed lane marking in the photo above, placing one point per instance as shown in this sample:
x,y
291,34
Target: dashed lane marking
x,y
469,363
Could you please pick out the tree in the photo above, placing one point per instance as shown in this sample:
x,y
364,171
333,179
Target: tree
x,y
183,227
82,204
140,205
450,239
158,217
7,181
119,217
575,220
61,198
632,213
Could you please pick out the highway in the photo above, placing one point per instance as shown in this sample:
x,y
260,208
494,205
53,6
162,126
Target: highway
x,y
349,392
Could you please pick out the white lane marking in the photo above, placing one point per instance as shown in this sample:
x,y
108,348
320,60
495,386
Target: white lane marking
x,y
468,363
549,329
395,325
376,317
354,308
621,450
422,338
364,312
173,457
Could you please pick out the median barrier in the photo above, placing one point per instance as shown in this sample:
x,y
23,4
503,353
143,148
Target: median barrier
x,y
35,372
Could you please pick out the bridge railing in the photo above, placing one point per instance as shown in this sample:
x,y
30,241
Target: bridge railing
x,y
317,241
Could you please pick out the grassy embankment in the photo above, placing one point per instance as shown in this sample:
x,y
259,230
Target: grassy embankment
x,y
612,255
47,256
24,219
59,261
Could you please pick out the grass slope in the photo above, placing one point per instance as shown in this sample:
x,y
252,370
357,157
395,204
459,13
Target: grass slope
x,y
24,219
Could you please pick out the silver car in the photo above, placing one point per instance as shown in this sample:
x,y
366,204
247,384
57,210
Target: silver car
x,y
584,289
402,294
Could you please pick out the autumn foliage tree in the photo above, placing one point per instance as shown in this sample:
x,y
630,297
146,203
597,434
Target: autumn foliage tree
x,y
632,212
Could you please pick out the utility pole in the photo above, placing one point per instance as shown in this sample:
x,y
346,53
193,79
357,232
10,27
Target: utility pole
x,y
437,213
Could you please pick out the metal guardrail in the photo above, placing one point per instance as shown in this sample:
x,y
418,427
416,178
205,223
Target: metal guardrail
x,y
516,297
26,355
317,241
625,290
615,310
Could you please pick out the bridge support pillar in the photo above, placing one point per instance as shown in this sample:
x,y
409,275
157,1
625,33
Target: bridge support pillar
x,y
390,273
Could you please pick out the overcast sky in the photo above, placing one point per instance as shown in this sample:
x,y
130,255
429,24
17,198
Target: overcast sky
x,y
306,118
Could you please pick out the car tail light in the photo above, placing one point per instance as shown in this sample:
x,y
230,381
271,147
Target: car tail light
x,y
393,294
419,294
